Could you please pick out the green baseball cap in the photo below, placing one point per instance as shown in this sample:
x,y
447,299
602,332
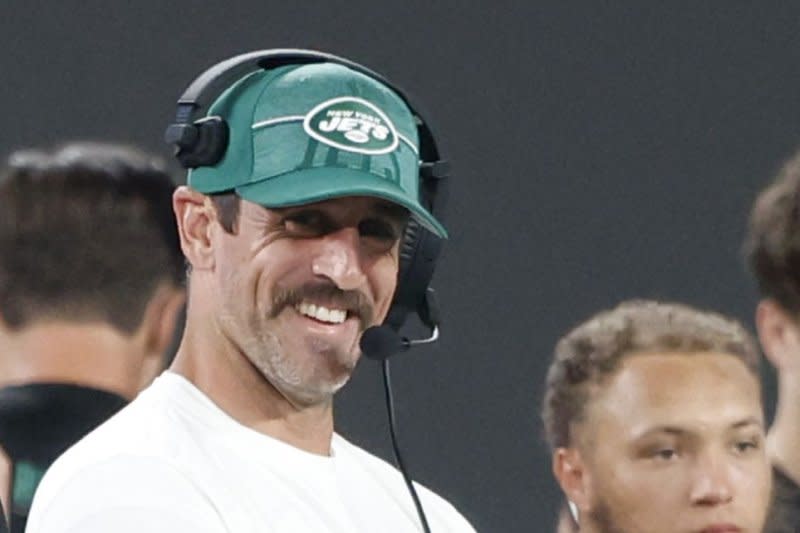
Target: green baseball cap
x,y
304,133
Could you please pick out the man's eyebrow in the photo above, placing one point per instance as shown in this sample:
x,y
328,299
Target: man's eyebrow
x,y
750,421
670,430
681,431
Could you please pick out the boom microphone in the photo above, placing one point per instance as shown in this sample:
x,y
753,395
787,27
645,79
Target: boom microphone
x,y
380,342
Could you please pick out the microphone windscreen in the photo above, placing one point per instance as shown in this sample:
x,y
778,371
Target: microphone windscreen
x,y
380,342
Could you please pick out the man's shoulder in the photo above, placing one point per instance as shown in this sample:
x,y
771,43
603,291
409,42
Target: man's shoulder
x,y
144,434
131,429
113,490
140,458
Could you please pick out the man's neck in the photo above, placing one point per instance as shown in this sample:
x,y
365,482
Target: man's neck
x,y
225,375
93,355
783,435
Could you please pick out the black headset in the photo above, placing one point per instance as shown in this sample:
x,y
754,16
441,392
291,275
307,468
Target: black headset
x,y
202,141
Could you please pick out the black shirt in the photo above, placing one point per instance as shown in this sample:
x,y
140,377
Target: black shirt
x,y
784,516
38,422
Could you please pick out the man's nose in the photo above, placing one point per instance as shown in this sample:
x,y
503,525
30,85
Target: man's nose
x,y
339,259
712,483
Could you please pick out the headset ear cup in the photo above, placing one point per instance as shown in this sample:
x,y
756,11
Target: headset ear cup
x,y
408,247
209,140
403,301
419,250
213,140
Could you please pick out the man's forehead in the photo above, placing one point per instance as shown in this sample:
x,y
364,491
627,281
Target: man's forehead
x,y
649,390
660,374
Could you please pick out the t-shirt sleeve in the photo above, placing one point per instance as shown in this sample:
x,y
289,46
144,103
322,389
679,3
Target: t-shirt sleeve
x,y
784,514
124,495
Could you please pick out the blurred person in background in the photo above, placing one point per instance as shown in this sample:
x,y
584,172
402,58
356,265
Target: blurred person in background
x,y
654,416
91,284
772,249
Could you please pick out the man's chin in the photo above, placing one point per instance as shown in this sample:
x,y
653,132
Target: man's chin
x,y
320,395
332,364
317,388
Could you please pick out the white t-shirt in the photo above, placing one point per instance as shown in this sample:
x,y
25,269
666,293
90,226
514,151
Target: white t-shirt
x,y
172,461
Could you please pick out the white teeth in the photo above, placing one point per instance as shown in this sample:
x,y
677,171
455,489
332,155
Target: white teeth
x,y
323,314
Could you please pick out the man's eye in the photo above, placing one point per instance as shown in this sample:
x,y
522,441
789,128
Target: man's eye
x,y
664,454
746,446
379,229
306,222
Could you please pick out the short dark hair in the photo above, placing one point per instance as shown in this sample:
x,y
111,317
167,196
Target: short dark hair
x,y
87,233
772,244
592,352
227,205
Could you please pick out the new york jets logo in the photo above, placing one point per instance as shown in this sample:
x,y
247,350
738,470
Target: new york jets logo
x,y
352,124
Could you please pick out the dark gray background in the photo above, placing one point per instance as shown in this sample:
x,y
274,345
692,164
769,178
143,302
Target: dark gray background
x,y
602,151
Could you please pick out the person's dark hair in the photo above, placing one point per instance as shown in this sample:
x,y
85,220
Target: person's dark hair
x,y
592,352
772,244
227,206
87,233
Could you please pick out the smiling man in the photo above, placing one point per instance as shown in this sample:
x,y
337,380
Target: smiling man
x,y
293,240
654,416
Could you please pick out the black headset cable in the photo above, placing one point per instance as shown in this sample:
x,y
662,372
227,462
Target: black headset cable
x,y
387,387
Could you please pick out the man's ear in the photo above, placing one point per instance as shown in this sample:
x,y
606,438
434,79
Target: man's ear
x,y
779,334
195,215
570,471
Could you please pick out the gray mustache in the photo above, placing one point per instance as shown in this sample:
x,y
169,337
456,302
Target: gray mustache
x,y
355,302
